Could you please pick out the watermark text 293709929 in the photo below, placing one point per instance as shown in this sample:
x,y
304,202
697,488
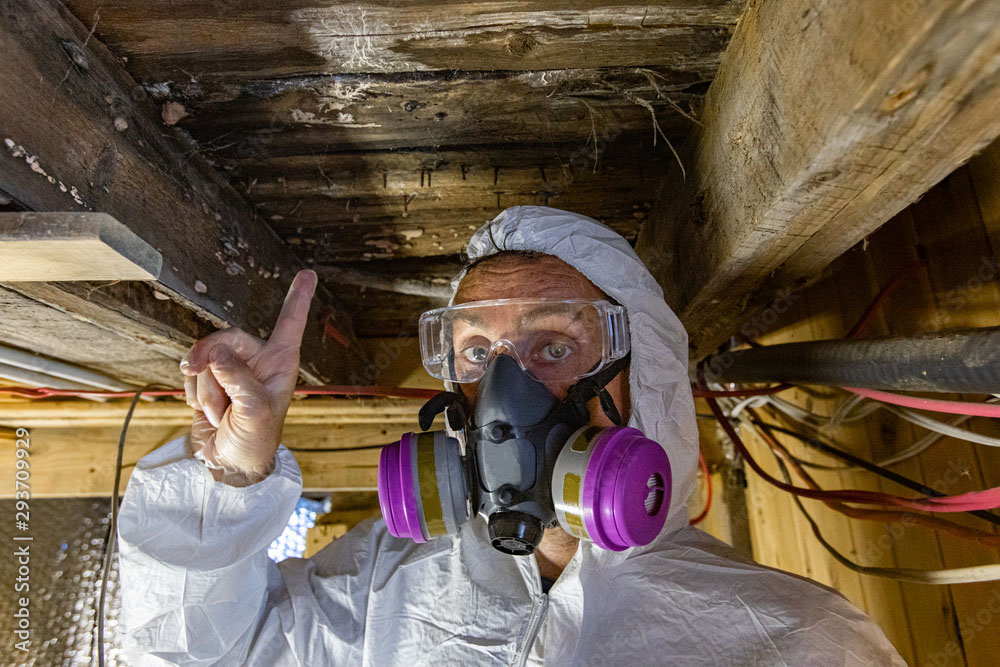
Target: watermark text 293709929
x,y
22,540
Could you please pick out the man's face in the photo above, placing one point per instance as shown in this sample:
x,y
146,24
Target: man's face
x,y
512,277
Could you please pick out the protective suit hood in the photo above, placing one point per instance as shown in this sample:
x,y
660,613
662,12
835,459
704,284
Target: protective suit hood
x,y
662,404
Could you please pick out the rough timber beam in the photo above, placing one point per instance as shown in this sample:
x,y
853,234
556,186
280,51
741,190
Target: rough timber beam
x,y
825,120
78,134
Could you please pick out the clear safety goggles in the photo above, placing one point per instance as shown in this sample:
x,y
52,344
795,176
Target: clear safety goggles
x,y
553,340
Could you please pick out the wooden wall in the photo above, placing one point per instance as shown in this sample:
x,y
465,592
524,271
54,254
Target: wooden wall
x,y
958,226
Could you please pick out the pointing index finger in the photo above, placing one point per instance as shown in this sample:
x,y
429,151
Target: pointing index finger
x,y
295,311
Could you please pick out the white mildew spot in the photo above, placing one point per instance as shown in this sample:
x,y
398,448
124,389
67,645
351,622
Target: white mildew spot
x,y
352,39
337,95
160,90
342,119
18,151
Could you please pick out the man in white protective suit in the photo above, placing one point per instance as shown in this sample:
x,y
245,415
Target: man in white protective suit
x,y
199,513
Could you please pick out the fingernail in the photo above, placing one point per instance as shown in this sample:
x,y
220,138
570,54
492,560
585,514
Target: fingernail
x,y
185,365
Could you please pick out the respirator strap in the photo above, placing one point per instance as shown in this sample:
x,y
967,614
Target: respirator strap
x,y
453,404
595,385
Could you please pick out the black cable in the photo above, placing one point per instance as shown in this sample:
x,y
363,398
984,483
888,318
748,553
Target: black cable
x,y
109,545
336,449
801,462
869,466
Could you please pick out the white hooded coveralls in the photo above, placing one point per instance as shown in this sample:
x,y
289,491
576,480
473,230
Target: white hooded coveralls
x,y
199,589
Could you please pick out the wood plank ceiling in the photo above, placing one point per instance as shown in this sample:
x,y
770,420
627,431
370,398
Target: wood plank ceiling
x,y
375,137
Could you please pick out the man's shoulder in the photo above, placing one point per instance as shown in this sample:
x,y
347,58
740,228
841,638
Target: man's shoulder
x,y
704,561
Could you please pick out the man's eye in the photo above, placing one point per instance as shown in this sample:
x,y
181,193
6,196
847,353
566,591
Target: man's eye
x,y
476,354
555,352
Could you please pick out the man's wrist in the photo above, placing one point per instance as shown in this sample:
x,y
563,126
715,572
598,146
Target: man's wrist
x,y
238,478
233,475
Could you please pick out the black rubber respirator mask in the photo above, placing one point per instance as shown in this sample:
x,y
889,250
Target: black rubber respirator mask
x,y
522,458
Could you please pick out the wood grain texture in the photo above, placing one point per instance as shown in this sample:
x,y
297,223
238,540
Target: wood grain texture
x,y
264,39
98,145
38,327
313,115
792,168
61,467
72,246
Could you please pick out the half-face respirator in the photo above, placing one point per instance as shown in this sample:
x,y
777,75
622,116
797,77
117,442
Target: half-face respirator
x,y
521,457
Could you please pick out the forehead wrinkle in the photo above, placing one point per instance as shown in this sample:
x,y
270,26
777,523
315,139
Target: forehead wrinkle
x,y
508,277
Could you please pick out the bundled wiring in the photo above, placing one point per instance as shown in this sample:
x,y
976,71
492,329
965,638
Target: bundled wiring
x,y
934,405
980,537
730,393
976,500
708,491
861,463
960,575
938,429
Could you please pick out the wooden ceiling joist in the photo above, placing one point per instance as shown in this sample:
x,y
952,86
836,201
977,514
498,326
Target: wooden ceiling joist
x,y
80,135
825,119
276,118
265,39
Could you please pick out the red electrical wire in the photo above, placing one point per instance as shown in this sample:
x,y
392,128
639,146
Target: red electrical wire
x,y
966,502
884,515
868,316
309,390
933,405
708,491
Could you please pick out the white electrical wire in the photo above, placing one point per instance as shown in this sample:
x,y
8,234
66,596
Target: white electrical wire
x,y
944,428
852,413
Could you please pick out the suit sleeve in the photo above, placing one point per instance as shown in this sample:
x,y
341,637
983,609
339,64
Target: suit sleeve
x,y
197,585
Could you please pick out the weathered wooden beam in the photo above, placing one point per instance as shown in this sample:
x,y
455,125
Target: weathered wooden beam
x,y
34,326
72,246
445,173
419,204
824,121
433,228
80,135
313,114
209,40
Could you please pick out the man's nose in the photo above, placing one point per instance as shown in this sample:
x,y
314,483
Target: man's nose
x,y
505,347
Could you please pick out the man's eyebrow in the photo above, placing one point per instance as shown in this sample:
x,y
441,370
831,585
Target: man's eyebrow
x,y
555,309
469,317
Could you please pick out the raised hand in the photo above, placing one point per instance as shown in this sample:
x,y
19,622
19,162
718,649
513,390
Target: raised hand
x,y
240,387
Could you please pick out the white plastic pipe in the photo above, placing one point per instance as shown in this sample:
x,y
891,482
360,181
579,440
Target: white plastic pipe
x,y
88,379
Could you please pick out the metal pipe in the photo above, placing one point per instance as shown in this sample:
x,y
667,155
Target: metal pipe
x,y
959,361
